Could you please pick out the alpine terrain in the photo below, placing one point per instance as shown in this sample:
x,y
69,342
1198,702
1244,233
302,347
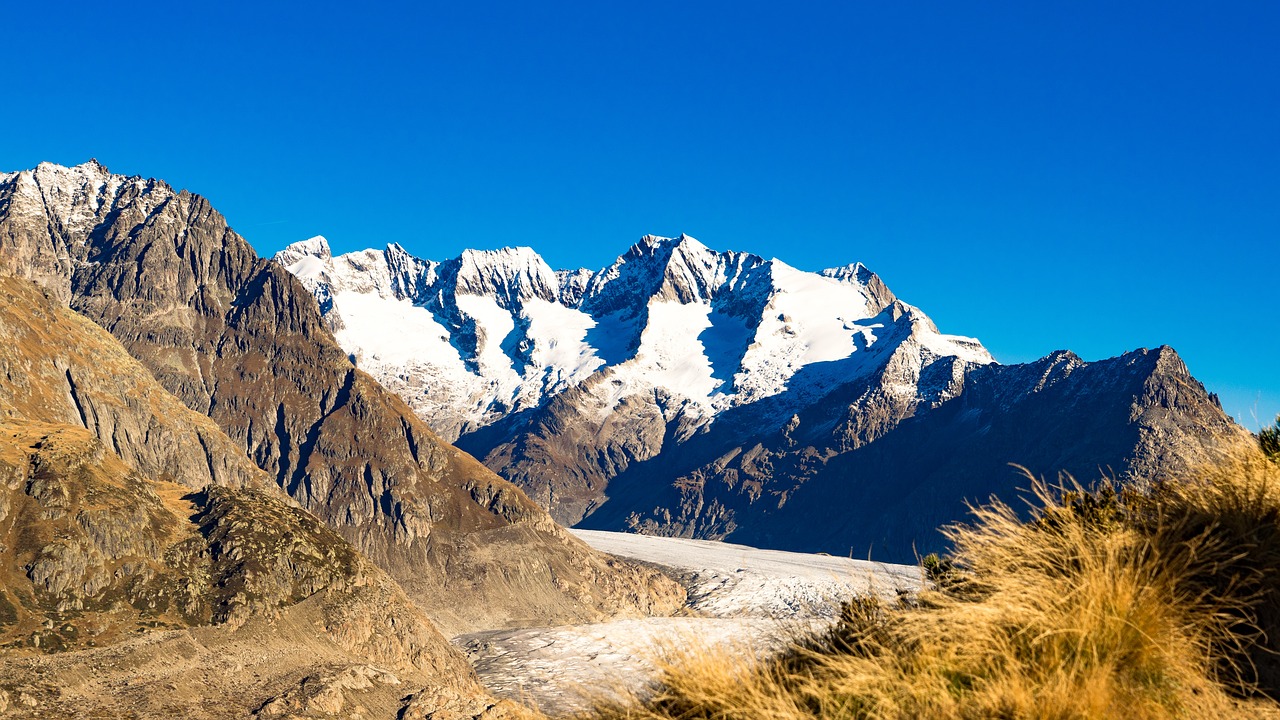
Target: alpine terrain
x,y
237,339
690,392
149,569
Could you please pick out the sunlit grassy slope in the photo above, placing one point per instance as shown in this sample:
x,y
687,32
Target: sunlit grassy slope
x,y
1162,602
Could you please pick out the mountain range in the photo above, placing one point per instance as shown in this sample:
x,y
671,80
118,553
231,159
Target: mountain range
x,y
692,392
233,486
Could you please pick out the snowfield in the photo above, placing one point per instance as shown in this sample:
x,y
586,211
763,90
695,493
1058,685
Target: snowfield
x,y
735,581
737,595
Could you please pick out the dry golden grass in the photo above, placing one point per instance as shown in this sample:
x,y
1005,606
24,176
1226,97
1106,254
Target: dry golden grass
x,y
1155,604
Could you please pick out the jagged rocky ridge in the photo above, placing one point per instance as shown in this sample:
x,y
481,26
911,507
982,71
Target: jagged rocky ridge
x,y
561,381
238,339
691,392
148,569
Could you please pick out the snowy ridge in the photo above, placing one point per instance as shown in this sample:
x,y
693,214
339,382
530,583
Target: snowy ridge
x,y
471,340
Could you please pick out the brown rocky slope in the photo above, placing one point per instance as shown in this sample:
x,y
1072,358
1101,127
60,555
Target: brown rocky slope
x,y
147,569
237,338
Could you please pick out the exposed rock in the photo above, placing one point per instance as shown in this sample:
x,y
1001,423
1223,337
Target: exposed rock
x,y
58,368
440,704
328,695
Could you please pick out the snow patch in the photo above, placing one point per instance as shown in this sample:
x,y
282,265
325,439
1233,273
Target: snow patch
x,y
391,332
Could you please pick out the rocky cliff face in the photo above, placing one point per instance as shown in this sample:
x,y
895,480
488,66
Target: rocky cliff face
x,y
148,569
57,368
685,391
238,339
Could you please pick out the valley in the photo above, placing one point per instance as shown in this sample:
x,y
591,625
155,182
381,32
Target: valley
x,y
741,599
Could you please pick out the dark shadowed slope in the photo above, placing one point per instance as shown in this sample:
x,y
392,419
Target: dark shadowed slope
x,y
1140,416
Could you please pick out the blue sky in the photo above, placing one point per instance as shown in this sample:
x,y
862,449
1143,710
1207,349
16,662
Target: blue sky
x,y
1037,175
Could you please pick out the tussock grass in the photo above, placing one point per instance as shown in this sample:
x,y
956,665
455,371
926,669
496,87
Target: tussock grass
x,y
1162,602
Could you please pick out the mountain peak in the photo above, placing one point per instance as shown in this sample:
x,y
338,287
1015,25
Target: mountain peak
x,y
691,244
316,245
1164,359
655,245
680,269
73,201
853,271
510,274
89,166
520,255
68,179
654,240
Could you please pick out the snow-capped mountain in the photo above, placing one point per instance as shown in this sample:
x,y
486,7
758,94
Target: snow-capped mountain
x,y
475,339
562,380
687,391
679,391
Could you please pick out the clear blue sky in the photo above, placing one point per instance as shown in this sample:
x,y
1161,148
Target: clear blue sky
x,y
1096,176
